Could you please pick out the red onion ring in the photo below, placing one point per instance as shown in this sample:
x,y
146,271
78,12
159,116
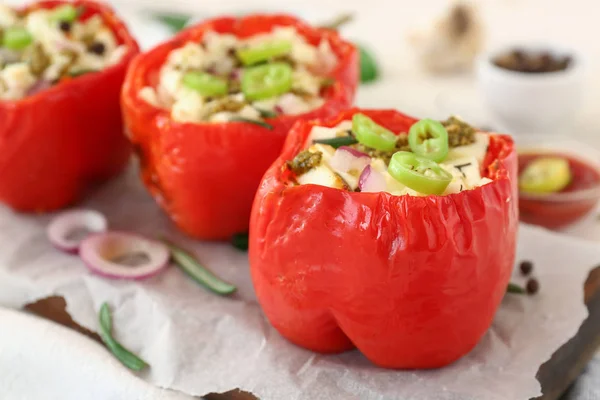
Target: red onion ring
x,y
67,230
106,254
346,159
371,181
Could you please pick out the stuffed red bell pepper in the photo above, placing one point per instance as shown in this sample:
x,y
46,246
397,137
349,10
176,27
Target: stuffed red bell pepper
x,y
62,65
209,110
377,231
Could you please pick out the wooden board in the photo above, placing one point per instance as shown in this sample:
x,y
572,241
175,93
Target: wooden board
x,y
555,376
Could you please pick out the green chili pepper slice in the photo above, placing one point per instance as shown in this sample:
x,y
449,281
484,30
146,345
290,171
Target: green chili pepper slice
x,y
371,134
205,84
16,38
266,81
545,175
126,357
264,51
428,138
66,13
419,173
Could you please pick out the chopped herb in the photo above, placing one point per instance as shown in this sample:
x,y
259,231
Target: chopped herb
x,y
337,141
305,161
64,26
97,48
460,167
327,82
240,241
252,121
267,113
459,132
126,357
461,188
175,22
75,74
188,263
514,288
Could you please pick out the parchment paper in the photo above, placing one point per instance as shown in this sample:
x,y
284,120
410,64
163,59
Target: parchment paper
x,y
198,343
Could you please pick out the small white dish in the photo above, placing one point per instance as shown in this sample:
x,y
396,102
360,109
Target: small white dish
x,y
532,102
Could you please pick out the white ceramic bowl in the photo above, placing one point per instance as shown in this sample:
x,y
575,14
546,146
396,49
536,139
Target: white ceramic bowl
x,y
532,102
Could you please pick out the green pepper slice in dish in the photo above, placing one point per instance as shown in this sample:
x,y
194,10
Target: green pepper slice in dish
x,y
419,173
205,84
371,134
545,175
16,38
428,138
65,13
264,51
266,81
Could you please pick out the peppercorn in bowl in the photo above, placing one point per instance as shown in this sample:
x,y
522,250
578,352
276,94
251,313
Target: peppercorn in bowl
x,y
62,65
532,88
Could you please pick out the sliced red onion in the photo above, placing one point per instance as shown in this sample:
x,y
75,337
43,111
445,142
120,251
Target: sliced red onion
x,y
291,104
123,255
346,159
353,151
371,180
236,74
68,230
38,87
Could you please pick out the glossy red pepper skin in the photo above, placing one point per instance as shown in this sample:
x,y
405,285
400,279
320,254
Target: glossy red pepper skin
x,y
54,143
412,282
205,175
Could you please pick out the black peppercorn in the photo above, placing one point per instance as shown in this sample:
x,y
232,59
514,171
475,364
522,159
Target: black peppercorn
x,y
526,267
97,48
532,286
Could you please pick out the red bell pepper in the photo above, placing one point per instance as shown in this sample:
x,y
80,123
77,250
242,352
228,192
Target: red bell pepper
x,y
412,282
57,141
205,175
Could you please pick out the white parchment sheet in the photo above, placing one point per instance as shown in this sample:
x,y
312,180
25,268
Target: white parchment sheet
x,y
198,343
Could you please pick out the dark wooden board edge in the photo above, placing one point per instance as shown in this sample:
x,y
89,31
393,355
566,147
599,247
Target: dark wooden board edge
x,y
568,362
555,375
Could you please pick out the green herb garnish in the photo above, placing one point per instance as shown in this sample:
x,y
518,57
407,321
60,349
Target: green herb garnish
x,y
369,71
75,74
252,121
267,113
191,266
240,241
337,141
514,288
126,357
175,22
327,82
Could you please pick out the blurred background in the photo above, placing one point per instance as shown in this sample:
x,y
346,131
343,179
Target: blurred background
x,y
405,37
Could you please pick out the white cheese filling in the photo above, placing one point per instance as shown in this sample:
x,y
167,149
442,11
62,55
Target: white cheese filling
x,y
54,52
463,163
217,55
